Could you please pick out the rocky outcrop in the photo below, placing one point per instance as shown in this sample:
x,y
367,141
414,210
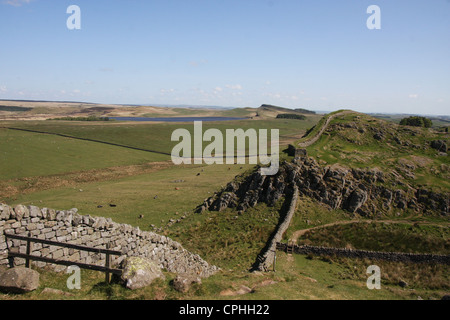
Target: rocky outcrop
x,y
439,145
365,192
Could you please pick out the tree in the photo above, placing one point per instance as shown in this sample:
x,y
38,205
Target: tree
x,y
416,121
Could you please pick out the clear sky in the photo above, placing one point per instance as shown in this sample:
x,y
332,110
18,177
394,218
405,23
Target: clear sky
x,y
311,54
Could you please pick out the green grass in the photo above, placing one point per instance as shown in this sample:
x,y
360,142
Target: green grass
x,y
310,214
157,136
134,195
25,154
382,237
356,147
297,278
227,239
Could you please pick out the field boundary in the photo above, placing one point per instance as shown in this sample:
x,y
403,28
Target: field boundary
x,y
87,139
267,258
363,254
306,142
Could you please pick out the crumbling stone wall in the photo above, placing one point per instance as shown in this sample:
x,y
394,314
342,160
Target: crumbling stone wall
x,y
68,226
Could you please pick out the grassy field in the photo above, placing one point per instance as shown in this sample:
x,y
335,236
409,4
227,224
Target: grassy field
x,y
147,190
157,136
386,237
135,195
26,154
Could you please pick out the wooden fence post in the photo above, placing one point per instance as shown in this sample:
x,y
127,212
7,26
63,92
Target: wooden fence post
x,y
274,260
108,263
27,261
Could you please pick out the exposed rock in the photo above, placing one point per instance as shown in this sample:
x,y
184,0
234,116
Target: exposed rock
x,y
140,272
356,200
19,280
439,145
378,136
355,190
183,282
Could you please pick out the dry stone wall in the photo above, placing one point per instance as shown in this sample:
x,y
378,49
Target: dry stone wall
x,y
362,254
68,226
265,260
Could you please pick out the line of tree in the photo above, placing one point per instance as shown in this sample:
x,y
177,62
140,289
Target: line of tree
x,y
291,116
90,118
416,121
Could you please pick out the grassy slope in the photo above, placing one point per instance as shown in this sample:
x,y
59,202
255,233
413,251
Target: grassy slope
x,y
388,237
356,149
25,154
134,195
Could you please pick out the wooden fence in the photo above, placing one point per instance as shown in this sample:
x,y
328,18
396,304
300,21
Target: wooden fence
x,y
14,253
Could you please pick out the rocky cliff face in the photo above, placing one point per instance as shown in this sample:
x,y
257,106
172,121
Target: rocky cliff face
x,y
366,192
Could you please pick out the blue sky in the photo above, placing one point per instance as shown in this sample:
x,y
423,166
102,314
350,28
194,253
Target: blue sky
x,y
312,54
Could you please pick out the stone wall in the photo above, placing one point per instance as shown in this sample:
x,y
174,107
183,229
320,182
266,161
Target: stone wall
x,y
265,260
68,226
361,254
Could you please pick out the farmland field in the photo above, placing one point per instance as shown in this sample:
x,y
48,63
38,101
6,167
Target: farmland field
x,y
123,171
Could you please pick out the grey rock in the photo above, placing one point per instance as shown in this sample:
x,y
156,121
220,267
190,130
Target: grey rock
x,y
19,280
439,145
356,200
34,211
183,282
21,212
140,272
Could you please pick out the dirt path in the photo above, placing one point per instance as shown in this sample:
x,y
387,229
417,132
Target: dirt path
x,y
297,234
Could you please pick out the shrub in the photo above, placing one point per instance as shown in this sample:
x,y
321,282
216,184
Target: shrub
x,y
416,122
291,116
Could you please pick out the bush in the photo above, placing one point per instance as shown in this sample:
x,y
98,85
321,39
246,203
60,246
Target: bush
x,y
291,116
416,122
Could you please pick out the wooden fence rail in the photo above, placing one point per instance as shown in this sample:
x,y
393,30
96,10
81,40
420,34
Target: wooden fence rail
x,y
28,257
